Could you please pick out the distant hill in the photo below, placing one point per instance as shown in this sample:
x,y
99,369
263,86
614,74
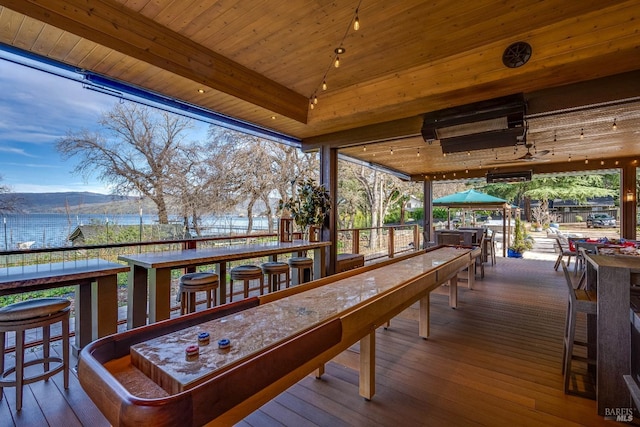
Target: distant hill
x,y
77,202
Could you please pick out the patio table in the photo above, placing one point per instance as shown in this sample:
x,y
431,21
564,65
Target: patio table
x,y
154,270
96,299
610,333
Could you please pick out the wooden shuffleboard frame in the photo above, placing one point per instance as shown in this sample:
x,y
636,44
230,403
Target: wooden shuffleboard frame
x,y
234,393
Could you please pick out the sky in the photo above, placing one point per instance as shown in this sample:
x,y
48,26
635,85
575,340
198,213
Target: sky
x,y
37,109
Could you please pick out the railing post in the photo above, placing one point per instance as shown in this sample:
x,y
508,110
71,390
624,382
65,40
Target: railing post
x,y
391,242
355,244
416,237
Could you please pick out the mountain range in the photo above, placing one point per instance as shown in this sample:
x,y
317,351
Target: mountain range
x,y
76,202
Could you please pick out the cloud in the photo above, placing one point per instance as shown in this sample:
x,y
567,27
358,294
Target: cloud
x,y
15,151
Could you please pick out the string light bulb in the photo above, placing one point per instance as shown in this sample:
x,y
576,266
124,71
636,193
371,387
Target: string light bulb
x,y
315,99
418,155
364,148
586,160
554,136
356,22
391,152
324,85
311,104
582,133
569,156
614,126
339,51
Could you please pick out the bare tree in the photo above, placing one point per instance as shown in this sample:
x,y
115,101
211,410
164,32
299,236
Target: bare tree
x,y
8,202
379,190
138,149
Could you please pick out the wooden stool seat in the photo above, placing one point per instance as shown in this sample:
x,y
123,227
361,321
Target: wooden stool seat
x,y
31,314
274,271
580,301
302,264
246,273
190,284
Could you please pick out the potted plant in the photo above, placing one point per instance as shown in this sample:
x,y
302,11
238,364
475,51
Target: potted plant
x,y
521,243
309,207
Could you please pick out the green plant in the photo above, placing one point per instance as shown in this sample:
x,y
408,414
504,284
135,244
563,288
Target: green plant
x,y
310,206
579,218
521,242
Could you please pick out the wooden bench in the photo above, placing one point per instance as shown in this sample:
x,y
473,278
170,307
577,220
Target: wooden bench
x,y
349,262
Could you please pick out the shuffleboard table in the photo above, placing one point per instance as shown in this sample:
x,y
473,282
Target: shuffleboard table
x,y
142,377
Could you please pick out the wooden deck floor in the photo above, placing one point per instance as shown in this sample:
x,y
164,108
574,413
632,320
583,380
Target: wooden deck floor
x,y
494,361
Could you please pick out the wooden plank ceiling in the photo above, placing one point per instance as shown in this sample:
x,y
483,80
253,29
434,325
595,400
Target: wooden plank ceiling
x,y
261,61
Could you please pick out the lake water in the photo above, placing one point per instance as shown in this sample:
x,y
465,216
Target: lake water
x,y
52,230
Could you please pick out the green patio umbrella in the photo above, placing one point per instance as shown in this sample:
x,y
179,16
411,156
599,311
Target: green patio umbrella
x,y
476,200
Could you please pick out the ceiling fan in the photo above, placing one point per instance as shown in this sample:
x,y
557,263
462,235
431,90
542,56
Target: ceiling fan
x,y
527,157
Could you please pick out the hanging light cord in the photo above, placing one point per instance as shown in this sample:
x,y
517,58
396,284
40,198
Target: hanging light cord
x,y
314,97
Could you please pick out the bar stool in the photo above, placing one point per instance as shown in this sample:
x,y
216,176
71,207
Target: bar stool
x,y
190,284
302,264
31,314
582,301
246,273
275,270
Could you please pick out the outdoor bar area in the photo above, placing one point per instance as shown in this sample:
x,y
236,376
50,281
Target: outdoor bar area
x,y
472,314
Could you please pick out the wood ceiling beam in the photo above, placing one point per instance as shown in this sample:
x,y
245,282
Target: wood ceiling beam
x,y
110,24
540,168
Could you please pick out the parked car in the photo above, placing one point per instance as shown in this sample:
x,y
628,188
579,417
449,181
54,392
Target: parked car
x,y
600,220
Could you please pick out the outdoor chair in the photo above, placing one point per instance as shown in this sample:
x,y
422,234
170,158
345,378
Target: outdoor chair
x,y
580,301
562,251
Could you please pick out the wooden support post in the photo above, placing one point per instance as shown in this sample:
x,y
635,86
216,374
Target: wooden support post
x,y
427,216
329,178
356,241
391,245
368,365
628,202
159,291
471,274
453,292
104,307
137,293
423,321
